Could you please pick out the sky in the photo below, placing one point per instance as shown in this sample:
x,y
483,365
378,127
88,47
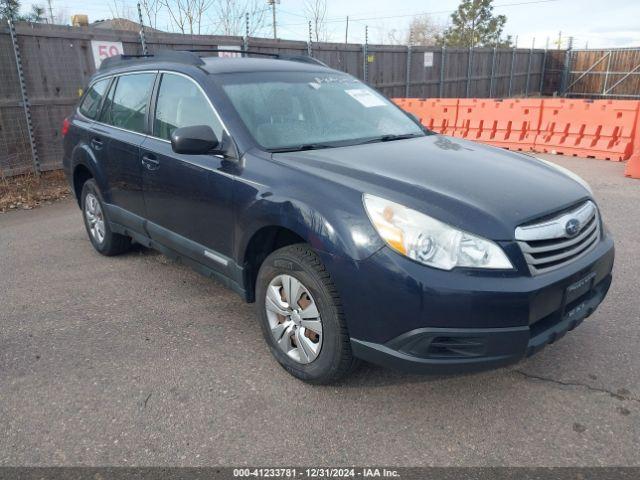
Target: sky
x,y
592,23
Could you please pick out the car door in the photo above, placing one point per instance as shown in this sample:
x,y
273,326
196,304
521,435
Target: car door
x,y
118,134
188,197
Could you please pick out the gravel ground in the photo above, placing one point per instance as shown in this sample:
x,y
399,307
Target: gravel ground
x,y
137,360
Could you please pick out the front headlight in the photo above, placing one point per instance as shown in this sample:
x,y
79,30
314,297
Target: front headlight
x,y
430,241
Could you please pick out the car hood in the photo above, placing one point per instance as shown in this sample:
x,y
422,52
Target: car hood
x,y
475,187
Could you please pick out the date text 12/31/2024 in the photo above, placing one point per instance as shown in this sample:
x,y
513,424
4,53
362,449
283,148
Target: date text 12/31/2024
x,y
315,472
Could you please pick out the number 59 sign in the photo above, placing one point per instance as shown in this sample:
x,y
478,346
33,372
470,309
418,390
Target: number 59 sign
x,y
102,50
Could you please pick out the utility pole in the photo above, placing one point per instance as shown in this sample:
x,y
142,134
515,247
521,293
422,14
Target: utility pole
x,y
559,43
273,13
309,51
346,32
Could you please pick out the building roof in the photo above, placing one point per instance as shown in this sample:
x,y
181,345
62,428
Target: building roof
x,y
119,24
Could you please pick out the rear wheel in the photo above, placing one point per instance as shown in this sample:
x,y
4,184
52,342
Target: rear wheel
x,y
301,316
93,212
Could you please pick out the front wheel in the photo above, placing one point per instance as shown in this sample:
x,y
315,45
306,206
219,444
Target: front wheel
x,y
301,316
93,212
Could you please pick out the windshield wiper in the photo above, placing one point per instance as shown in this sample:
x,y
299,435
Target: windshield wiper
x,y
299,148
391,137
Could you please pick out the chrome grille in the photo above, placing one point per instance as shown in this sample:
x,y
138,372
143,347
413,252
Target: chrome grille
x,y
547,245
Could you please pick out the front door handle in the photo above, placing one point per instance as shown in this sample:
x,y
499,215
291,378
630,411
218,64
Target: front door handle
x,y
150,162
96,143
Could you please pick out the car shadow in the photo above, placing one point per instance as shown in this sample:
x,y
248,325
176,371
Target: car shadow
x,y
366,375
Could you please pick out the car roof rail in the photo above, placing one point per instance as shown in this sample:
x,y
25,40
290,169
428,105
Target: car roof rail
x,y
190,57
278,56
303,59
178,56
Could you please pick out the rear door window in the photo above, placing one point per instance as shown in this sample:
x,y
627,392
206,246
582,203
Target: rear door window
x,y
182,104
126,105
91,102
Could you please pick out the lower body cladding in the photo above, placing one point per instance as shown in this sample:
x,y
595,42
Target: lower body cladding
x,y
416,319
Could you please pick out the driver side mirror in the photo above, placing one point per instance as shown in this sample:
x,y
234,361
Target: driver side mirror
x,y
195,140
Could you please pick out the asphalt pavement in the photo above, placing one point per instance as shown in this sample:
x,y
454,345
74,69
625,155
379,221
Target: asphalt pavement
x,y
138,360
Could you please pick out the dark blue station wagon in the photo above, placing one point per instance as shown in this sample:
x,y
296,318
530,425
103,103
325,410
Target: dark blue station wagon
x,y
358,233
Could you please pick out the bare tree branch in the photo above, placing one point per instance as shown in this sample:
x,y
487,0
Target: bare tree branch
x,y
186,15
230,19
316,11
150,10
121,9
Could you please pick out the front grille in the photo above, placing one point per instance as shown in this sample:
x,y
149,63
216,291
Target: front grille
x,y
547,245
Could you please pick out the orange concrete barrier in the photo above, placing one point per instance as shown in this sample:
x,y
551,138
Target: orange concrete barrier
x,y
510,123
437,114
516,123
472,114
600,129
633,165
605,129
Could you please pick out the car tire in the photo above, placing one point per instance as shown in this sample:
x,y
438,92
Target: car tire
x,y
102,238
334,358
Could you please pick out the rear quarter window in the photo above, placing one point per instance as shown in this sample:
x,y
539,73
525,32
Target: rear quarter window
x,y
91,101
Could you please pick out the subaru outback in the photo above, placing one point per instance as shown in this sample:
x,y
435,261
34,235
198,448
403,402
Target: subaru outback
x,y
358,233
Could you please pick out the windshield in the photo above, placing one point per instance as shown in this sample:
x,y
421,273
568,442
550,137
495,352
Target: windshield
x,y
301,110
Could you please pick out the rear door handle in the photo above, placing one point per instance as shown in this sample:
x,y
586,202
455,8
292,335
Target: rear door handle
x,y
96,143
150,162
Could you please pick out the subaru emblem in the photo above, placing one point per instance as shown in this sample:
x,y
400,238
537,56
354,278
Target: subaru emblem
x,y
572,227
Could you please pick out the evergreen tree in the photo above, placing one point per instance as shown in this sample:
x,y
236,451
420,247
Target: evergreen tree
x,y
473,24
36,15
10,9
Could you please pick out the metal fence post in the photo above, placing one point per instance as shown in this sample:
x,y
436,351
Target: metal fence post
x,y
26,106
493,69
526,88
408,72
143,40
567,67
443,57
513,61
469,71
365,53
542,69
565,72
245,40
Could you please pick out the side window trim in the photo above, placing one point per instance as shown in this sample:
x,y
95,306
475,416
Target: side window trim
x,y
152,106
155,99
112,86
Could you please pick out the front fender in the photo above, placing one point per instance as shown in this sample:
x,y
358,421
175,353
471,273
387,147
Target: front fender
x,y
336,225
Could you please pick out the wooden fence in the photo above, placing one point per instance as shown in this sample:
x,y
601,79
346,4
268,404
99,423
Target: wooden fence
x,y
57,63
612,73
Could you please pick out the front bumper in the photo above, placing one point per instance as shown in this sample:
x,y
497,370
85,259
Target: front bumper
x,y
442,350
418,319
